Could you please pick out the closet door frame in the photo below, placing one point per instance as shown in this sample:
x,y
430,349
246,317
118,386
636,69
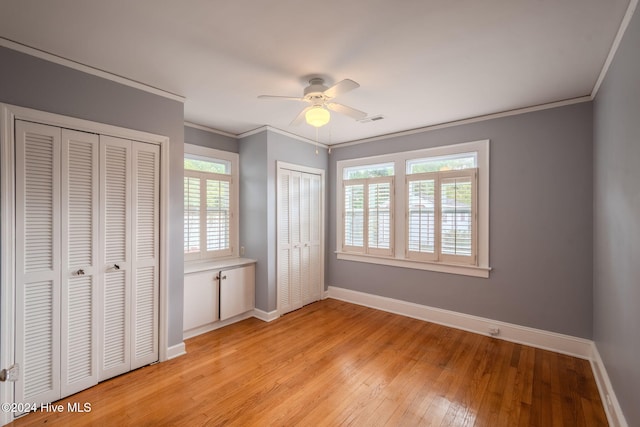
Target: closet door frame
x,y
8,115
280,166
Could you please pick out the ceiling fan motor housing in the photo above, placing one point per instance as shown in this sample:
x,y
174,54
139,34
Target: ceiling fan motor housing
x,y
314,92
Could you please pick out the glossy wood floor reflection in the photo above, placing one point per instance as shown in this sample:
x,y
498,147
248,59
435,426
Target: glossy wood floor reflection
x,y
333,363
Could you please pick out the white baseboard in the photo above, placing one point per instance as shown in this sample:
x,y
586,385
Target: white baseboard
x,y
176,351
609,400
559,343
190,333
264,315
325,294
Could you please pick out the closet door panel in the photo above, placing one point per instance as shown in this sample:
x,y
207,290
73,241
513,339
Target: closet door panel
x,y
145,254
284,242
37,262
79,209
115,232
315,238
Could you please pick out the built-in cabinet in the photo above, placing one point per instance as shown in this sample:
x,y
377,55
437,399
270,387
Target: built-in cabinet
x,y
216,293
87,259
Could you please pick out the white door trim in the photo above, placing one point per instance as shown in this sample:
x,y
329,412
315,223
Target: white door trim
x,y
8,115
280,165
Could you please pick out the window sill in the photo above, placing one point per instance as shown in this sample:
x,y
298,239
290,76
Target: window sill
x,y
464,270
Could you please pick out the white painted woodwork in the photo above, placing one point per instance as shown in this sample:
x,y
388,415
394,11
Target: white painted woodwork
x,y
145,253
200,299
299,239
87,259
37,262
80,191
237,291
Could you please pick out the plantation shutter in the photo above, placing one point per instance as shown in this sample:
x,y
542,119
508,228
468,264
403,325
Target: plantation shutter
x,y
354,209
458,194
218,214
191,214
37,262
422,216
380,216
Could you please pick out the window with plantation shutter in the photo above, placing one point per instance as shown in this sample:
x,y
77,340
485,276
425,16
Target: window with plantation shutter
x,y
210,202
368,215
433,203
441,216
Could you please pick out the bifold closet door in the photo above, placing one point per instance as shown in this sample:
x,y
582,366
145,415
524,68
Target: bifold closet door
x,y
37,262
80,271
299,256
56,254
130,224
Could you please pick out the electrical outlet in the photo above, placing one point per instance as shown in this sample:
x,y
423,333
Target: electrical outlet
x,y
241,250
494,331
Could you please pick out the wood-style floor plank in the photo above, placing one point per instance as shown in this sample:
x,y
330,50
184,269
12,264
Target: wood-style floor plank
x,y
333,363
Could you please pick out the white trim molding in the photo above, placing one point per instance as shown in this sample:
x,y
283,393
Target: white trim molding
x,y
612,408
176,351
559,343
265,316
210,130
56,59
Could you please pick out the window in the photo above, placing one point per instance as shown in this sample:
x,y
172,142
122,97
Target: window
x,y
439,219
210,203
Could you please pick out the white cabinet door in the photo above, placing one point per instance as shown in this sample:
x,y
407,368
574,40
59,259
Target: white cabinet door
x,y
237,291
200,299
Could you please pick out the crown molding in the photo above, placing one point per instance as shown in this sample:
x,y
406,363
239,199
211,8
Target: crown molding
x,y
282,132
10,44
467,121
614,46
211,130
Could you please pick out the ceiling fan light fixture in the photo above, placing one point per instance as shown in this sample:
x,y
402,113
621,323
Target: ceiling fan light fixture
x,y
317,116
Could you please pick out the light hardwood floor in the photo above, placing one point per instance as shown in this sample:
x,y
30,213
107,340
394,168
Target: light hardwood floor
x,y
333,363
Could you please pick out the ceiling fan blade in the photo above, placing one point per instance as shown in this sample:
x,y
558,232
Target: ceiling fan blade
x,y
347,111
282,98
300,117
341,87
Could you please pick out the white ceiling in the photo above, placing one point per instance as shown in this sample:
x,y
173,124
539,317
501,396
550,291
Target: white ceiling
x,y
419,62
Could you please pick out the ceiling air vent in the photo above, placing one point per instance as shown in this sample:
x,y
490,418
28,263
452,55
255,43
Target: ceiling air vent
x,y
371,118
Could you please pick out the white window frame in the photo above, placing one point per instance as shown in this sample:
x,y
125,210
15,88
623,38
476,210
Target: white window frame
x,y
400,258
213,154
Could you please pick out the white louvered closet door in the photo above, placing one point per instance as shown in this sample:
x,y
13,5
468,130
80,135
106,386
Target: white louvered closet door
x,y
115,231
284,242
79,210
145,254
37,262
299,239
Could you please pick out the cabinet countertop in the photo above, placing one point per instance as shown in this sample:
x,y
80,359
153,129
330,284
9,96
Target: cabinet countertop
x,y
220,264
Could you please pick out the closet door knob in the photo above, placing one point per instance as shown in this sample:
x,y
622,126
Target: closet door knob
x,y
80,272
116,266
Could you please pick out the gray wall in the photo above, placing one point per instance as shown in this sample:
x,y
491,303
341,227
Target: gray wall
x,y
258,156
616,266
30,82
210,139
540,224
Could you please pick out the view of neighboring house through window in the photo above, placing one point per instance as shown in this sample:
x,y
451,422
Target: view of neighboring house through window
x,y
209,222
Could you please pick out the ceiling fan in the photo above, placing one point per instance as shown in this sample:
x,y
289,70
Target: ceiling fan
x,y
320,97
